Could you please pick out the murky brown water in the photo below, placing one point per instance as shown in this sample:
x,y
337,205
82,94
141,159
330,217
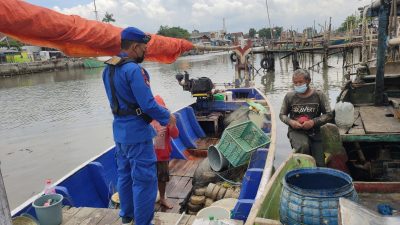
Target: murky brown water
x,y
52,122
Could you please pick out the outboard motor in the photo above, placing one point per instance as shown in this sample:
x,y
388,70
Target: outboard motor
x,y
202,85
183,80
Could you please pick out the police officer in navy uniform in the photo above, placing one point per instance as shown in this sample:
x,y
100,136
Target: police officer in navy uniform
x,y
132,103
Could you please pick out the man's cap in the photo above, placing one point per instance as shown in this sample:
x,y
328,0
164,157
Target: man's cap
x,y
134,34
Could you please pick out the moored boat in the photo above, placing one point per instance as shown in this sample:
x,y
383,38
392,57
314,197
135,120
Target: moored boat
x,y
90,186
368,149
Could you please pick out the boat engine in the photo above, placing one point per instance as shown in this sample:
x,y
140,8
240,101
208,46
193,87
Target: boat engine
x,y
202,85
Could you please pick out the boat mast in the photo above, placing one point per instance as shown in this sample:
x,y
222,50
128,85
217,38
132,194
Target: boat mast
x,y
269,21
95,10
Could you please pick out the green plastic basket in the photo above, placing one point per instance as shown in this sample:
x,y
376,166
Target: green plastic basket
x,y
239,141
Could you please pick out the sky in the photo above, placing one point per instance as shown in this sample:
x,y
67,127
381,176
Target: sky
x,y
207,15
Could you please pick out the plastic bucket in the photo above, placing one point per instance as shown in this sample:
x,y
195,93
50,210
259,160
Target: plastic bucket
x,y
311,195
49,215
218,162
217,212
229,96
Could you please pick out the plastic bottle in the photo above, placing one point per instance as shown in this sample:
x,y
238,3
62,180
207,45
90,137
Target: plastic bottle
x,y
344,117
49,188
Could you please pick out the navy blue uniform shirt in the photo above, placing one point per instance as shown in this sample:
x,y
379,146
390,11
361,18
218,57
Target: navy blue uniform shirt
x,y
132,82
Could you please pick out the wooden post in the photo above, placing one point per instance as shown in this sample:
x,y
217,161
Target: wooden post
x,y
380,62
5,215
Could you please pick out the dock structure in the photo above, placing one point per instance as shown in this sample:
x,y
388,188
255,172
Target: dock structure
x,y
93,216
99,216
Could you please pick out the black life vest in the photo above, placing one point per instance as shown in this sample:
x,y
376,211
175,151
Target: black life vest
x,y
133,108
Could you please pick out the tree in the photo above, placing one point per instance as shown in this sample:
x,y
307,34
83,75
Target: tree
x,y
351,21
108,18
266,32
175,32
11,43
252,32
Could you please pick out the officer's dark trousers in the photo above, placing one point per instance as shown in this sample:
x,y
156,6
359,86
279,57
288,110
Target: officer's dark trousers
x,y
308,144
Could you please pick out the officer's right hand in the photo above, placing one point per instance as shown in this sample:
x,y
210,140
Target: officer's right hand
x,y
295,125
172,120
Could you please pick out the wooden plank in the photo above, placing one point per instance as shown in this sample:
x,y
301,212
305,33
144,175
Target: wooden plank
x,y
162,218
5,213
377,187
68,213
96,216
357,131
190,172
187,189
174,180
375,120
190,220
111,217
178,189
182,170
82,215
177,167
381,137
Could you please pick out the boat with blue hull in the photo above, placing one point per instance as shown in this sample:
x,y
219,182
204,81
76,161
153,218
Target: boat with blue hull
x,y
92,184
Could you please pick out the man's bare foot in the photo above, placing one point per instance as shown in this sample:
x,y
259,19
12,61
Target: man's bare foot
x,y
165,203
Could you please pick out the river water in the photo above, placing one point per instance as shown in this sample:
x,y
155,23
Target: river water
x,y
52,122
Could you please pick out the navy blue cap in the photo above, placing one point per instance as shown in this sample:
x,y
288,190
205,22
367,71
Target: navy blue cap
x,y
134,34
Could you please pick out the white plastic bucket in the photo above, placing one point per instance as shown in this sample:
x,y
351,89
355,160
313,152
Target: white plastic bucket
x,y
228,96
217,212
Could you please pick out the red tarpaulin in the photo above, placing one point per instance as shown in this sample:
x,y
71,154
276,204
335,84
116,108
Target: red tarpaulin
x,y
76,36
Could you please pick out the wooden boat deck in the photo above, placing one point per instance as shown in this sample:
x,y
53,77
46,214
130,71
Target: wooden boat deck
x,y
372,123
180,183
101,216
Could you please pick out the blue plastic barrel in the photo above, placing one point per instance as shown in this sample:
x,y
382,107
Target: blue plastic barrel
x,y
311,196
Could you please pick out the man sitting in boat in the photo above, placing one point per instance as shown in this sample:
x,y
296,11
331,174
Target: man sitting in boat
x,y
308,109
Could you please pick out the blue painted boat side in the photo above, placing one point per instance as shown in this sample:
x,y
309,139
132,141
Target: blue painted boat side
x,y
250,184
93,183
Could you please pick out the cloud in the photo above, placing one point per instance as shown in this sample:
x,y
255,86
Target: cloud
x,y
207,15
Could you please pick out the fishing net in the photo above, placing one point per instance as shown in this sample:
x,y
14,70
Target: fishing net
x,y
76,36
243,114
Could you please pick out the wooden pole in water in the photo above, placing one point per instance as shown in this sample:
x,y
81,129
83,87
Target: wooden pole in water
x,y
380,63
5,215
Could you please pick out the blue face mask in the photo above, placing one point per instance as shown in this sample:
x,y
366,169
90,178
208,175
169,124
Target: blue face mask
x,y
300,89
